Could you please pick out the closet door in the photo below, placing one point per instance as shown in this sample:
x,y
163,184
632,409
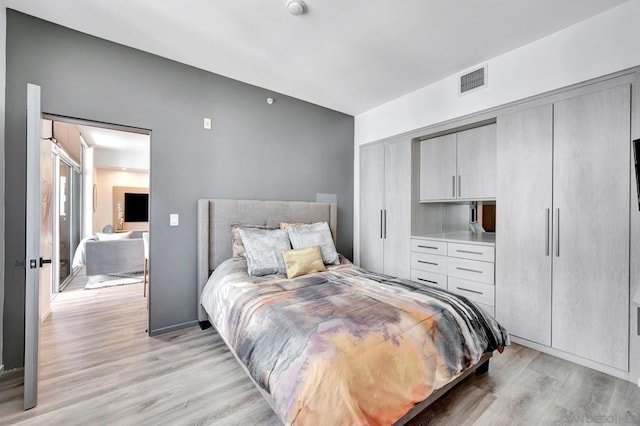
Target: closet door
x,y
371,207
397,204
476,154
438,168
591,226
523,219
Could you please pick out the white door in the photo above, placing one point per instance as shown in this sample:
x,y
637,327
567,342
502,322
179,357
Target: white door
x,y
33,258
476,163
591,179
438,168
371,207
523,218
397,209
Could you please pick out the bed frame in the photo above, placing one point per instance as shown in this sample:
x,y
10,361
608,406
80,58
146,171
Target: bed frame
x,y
214,247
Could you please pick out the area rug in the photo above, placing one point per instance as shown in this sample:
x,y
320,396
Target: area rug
x,y
112,280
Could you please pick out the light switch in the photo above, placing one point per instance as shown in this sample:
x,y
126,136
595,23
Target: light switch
x,y
207,123
174,219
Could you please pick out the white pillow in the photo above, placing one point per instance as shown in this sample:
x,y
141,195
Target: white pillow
x,y
115,236
263,250
316,234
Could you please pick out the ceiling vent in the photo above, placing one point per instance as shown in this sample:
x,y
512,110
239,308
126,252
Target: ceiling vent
x,y
473,80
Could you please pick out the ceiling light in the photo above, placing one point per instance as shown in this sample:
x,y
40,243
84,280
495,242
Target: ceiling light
x,y
296,7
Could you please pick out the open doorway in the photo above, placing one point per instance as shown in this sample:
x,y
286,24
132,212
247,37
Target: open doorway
x,y
95,195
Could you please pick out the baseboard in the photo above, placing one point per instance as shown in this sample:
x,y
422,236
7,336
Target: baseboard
x,y
45,316
176,327
573,358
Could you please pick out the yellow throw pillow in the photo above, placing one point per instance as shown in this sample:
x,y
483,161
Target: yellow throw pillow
x,y
303,261
285,225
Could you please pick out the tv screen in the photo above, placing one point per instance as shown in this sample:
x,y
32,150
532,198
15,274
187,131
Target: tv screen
x,y
636,157
136,207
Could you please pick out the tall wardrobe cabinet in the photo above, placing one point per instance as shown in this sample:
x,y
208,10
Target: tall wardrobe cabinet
x,y
562,242
385,207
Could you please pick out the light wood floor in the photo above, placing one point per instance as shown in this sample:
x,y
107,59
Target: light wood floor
x,y
98,366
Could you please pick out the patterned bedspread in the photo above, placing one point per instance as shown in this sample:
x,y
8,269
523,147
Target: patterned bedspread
x,y
346,346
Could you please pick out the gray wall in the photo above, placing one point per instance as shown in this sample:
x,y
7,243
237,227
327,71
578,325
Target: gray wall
x,y
287,151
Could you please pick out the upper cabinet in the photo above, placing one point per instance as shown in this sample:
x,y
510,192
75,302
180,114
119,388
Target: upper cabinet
x,y
459,166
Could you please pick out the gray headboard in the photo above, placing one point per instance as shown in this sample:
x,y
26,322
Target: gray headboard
x,y
214,227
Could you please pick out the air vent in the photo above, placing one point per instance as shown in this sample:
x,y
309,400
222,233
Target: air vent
x,y
473,80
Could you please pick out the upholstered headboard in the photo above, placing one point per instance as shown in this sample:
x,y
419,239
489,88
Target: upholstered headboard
x,y
214,227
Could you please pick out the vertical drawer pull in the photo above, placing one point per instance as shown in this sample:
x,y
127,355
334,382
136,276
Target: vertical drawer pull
x,y
427,281
469,270
479,253
428,263
428,247
470,291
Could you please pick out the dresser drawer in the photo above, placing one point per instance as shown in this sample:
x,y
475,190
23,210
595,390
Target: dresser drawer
x,y
478,292
471,270
429,263
429,278
429,246
472,251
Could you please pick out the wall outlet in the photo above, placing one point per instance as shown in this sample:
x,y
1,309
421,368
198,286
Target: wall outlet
x,y
174,219
207,123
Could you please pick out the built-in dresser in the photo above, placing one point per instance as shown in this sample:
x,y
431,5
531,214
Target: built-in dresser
x,y
461,262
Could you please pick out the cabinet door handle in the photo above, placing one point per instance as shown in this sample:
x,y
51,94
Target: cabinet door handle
x,y
547,236
459,186
454,186
380,223
428,281
385,224
470,291
428,247
428,263
558,232
479,253
469,270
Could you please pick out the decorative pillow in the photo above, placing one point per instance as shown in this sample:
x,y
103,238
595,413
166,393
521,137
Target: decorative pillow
x,y
303,261
115,236
263,250
316,234
236,240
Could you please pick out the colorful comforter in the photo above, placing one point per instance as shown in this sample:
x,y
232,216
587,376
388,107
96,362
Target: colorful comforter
x,y
346,346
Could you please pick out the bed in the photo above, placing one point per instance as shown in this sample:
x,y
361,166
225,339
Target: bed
x,y
345,346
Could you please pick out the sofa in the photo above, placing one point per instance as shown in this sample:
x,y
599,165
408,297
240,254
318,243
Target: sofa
x,y
114,256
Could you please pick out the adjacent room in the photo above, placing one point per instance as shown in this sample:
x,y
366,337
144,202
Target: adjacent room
x,y
320,213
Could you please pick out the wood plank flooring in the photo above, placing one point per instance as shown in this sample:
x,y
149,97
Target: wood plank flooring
x,y
98,366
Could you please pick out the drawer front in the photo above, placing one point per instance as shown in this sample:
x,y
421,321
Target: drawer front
x,y
429,263
429,246
429,278
471,270
478,292
472,251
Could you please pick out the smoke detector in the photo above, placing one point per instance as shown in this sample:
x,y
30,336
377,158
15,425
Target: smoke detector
x,y
296,7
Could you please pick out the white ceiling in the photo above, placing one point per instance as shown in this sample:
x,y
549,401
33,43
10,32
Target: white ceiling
x,y
115,140
348,55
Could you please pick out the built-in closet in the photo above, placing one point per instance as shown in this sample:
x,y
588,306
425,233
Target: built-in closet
x,y
562,241
385,207
459,166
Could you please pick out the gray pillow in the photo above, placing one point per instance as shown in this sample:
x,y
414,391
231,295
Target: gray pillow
x,y
316,234
263,249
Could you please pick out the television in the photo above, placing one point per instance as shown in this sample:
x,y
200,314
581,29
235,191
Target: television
x,y
136,207
636,160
